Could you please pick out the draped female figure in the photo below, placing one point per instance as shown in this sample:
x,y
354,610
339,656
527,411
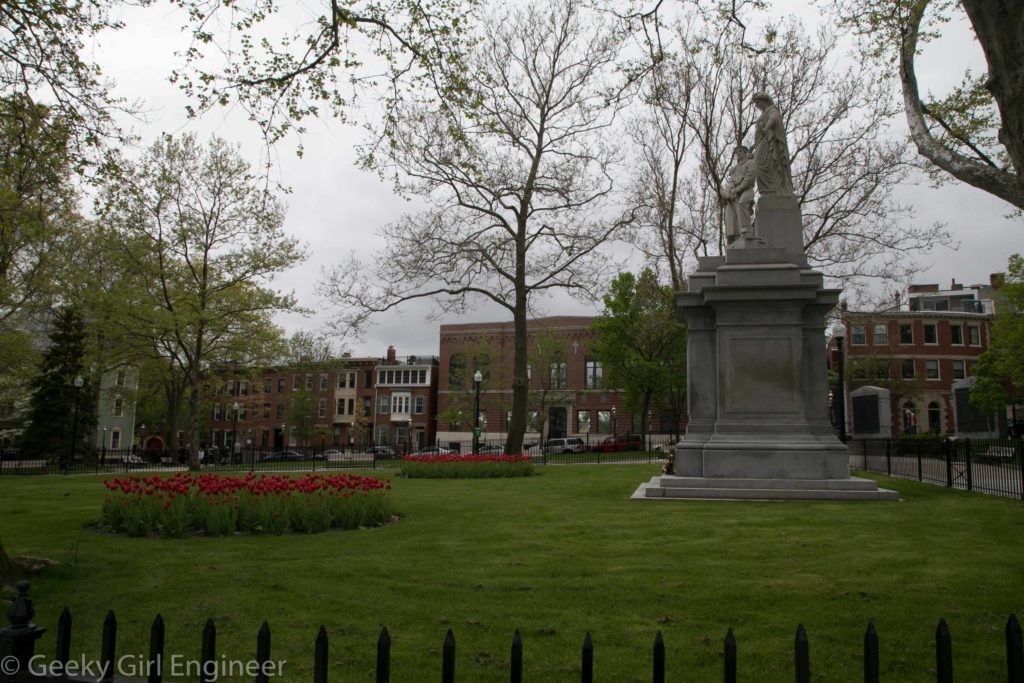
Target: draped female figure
x,y
771,151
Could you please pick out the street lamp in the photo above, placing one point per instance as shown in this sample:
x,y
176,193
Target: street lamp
x,y
235,450
79,383
614,426
839,333
103,448
478,377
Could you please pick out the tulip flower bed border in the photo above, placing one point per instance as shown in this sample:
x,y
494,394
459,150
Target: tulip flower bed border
x,y
216,505
452,466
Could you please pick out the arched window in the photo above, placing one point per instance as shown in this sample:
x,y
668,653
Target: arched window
x,y
934,418
457,371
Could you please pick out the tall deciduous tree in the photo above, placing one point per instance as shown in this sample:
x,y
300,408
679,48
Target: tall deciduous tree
x,y
517,173
976,133
44,49
285,62
1000,372
200,239
698,108
641,343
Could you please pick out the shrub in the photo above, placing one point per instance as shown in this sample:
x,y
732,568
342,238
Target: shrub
x,y
466,466
217,506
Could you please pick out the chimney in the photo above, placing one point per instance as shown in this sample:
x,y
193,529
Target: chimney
x,y
391,354
997,280
922,289
956,287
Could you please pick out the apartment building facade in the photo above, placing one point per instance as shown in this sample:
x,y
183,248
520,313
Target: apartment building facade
x,y
342,403
568,392
924,354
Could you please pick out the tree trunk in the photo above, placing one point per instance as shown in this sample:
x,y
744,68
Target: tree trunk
x,y
520,385
193,421
999,27
9,569
172,392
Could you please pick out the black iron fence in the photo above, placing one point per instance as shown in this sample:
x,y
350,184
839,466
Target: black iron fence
x,y
315,458
19,663
992,466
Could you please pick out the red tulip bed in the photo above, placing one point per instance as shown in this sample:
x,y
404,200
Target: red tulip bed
x,y
466,466
214,505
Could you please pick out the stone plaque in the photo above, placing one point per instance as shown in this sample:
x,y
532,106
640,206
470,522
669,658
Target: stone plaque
x,y
761,376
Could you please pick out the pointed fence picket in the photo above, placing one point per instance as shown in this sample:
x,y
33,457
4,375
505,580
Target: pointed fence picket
x,y
18,640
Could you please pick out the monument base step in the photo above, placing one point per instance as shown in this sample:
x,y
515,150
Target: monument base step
x,y
711,488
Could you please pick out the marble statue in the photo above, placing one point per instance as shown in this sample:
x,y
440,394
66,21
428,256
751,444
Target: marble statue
x,y
771,151
738,194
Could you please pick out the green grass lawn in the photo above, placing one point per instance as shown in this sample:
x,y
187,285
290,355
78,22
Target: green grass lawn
x,y
554,556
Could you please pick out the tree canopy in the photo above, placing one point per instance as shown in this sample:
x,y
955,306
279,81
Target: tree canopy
x,y
976,133
517,176
1000,371
642,344
63,403
199,240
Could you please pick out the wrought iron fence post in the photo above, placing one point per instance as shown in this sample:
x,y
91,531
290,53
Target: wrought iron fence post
x,y
949,466
967,457
888,458
1020,465
18,640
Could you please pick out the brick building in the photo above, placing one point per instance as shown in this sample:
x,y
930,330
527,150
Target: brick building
x,y
568,395
345,402
404,400
923,354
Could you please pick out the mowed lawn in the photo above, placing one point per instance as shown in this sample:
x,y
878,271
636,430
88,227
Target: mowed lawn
x,y
554,556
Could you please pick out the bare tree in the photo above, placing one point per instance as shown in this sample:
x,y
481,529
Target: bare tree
x,y
844,166
518,175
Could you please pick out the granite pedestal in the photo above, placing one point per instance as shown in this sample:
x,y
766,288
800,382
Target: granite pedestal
x,y
757,385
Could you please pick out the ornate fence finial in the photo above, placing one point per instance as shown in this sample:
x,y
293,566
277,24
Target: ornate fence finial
x,y
20,614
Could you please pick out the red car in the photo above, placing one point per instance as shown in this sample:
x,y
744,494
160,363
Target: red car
x,y
623,442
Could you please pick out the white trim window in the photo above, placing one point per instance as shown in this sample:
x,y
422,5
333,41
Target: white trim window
x,y
959,369
858,335
881,333
931,368
906,333
974,333
956,334
400,404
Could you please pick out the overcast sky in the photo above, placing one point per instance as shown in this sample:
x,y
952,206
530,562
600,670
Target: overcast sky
x,y
336,208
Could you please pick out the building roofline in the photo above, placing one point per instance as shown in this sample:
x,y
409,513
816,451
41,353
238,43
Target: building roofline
x,y
552,322
967,315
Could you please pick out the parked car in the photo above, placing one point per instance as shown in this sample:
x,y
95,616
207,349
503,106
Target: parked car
x,y
667,447
434,450
382,452
571,444
283,456
621,442
491,450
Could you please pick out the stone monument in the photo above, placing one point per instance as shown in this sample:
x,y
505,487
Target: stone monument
x,y
757,387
